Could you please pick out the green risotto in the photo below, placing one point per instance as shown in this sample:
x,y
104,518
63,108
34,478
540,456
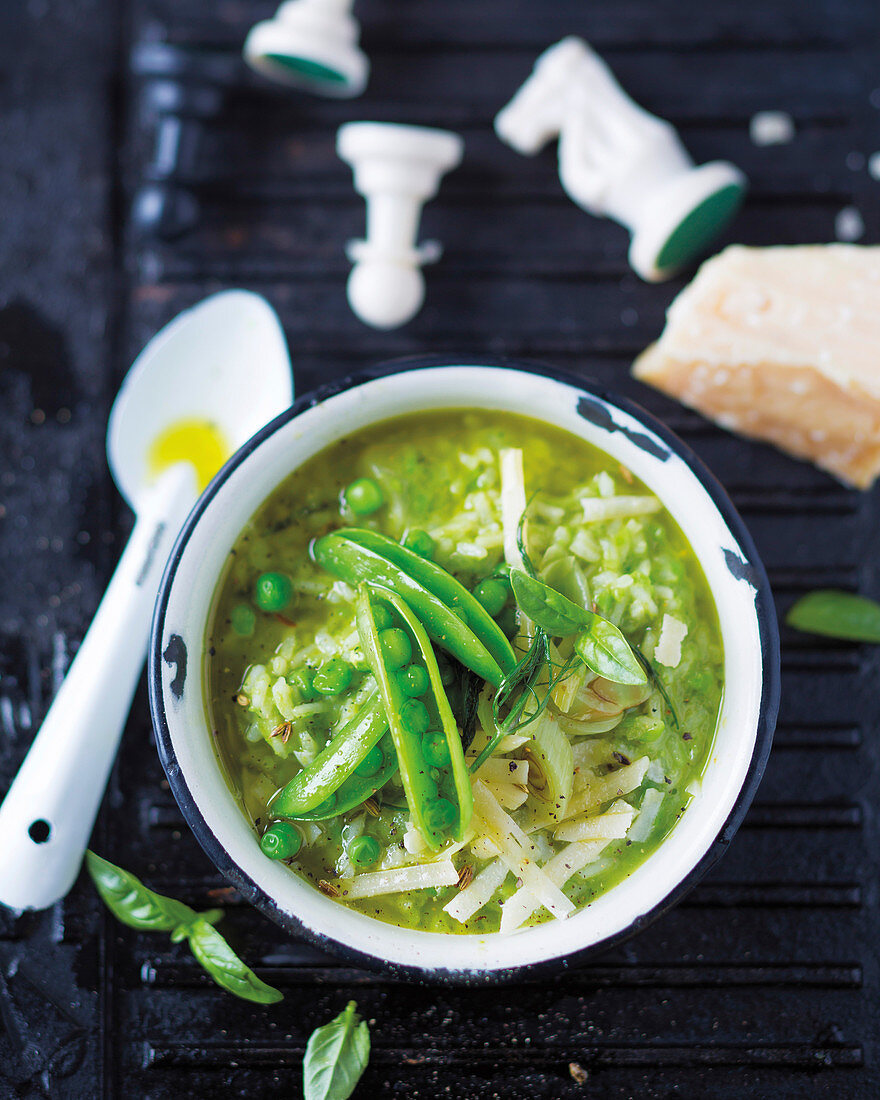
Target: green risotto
x,y
465,672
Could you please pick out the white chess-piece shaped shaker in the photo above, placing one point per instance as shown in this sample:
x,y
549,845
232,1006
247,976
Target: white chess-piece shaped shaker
x,y
397,169
619,161
311,44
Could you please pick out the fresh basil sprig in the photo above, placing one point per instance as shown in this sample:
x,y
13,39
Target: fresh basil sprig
x,y
139,907
599,643
836,614
547,608
336,1056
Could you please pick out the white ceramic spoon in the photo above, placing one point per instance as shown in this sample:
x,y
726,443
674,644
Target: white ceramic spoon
x,y
224,361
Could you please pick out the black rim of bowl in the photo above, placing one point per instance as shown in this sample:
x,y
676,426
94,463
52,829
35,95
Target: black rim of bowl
x,y
767,627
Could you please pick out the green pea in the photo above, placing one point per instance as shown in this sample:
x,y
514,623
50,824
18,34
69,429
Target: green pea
x,y
420,542
492,594
447,675
414,681
435,748
303,679
440,814
414,717
396,648
273,591
652,731
281,840
364,496
243,620
333,678
371,763
457,605
508,622
364,850
382,616
326,806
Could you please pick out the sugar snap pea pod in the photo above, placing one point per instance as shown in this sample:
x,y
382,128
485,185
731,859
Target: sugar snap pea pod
x,y
356,789
432,769
444,586
335,763
355,564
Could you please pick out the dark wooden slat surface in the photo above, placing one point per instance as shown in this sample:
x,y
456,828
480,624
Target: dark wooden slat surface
x,y
764,982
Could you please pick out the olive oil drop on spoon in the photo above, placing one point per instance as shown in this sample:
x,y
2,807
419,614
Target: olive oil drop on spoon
x,y
198,390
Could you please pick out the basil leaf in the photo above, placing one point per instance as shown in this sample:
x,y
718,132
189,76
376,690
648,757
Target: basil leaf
x,y
550,610
225,967
336,1056
604,649
132,903
837,614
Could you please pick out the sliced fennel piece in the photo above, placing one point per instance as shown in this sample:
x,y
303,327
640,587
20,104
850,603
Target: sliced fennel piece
x,y
471,900
551,752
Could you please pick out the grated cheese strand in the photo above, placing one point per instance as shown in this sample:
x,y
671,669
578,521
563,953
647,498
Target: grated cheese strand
x,y
472,899
559,869
517,852
420,876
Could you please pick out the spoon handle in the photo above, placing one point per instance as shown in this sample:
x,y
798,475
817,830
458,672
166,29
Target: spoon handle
x,y
47,816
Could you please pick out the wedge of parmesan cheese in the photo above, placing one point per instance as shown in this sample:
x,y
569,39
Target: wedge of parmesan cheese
x,y
780,344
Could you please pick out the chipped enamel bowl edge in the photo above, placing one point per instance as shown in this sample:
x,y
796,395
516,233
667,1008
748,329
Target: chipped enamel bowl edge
x,y
627,434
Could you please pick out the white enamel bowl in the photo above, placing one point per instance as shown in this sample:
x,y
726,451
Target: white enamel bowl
x,y
628,435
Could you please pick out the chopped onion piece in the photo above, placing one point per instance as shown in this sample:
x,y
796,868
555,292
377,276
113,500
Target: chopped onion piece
x,y
470,900
590,754
504,771
398,879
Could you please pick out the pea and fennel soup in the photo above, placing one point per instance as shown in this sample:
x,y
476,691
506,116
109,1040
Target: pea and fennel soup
x,y
465,672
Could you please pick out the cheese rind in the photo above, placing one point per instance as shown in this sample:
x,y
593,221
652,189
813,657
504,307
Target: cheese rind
x,y
782,344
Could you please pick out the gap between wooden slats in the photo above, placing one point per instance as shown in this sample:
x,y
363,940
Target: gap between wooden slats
x,y
305,971
794,1055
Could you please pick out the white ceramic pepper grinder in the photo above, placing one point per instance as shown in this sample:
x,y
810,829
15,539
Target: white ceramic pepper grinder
x,y
311,44
617,160
397,169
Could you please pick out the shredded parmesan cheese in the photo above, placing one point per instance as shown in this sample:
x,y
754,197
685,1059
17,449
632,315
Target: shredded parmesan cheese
x,y
418,877
612,825
668,649
517,852
470,900
520,906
